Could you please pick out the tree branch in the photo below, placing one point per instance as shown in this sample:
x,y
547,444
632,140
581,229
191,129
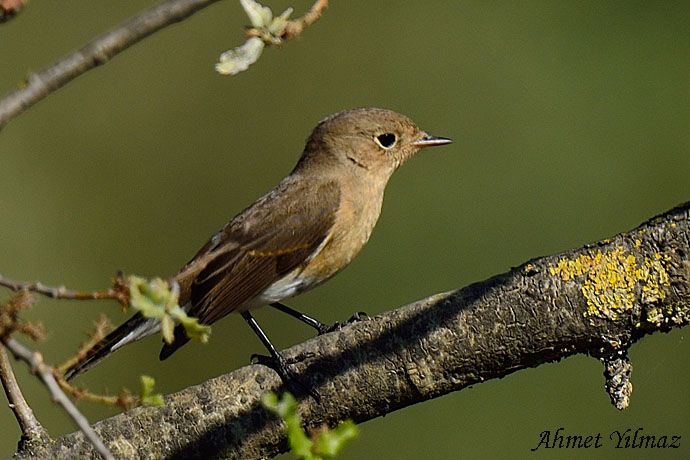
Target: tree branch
x,y
32,430
295,27
101,49
117,292
95,53
596,300
45,373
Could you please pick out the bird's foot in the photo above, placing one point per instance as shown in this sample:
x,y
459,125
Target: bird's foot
x,y
357,317
291,381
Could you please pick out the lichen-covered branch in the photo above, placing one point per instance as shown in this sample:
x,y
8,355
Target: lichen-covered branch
x,y
595,300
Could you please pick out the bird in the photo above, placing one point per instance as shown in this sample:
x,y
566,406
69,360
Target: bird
x,y
295,237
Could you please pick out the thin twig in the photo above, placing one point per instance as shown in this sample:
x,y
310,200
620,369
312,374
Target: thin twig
x,y
9,316
61,292
125,400
95,53
35,362
103,48
295,27
32,430
101,329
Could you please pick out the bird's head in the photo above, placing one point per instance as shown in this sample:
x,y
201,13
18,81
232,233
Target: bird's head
x,y
369,139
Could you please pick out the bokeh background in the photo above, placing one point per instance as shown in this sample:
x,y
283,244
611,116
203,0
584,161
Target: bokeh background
x,y
571,123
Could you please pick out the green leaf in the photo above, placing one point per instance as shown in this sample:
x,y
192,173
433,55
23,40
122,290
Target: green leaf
x,y
331,442
168,329
270,401
156,299
151,297
328,443
286,409
299,442
147,395
192,327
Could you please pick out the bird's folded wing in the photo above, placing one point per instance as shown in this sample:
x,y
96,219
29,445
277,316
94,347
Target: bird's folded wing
x,y
259,252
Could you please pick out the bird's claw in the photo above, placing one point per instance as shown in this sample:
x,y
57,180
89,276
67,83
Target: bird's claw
x,y
291,381
357,317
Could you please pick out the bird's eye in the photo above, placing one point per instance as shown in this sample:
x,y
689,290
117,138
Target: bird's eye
x,y
386,140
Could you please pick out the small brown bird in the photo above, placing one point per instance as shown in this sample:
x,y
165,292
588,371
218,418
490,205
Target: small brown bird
x,y
298,235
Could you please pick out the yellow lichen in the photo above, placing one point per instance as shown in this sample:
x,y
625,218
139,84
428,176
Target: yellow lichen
x,y
613,281
673,314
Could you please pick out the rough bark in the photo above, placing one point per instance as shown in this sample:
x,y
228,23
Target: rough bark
x,y
597,300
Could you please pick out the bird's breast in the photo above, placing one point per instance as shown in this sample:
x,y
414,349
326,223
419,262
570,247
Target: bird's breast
x,y
354,222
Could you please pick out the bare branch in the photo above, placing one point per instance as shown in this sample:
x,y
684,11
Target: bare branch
x,y
9,317
101,329
102,49
295,27
125,399
32,430
35,362
117,292
267,30
95,53
545,310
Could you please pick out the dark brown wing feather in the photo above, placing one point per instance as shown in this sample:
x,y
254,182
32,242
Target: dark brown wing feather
x,y
260,246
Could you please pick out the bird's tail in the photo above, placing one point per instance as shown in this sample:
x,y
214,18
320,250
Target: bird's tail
x,y
135,328
180,339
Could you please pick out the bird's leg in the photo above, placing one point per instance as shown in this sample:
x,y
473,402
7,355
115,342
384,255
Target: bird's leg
x,y
308,320
276,361
320,327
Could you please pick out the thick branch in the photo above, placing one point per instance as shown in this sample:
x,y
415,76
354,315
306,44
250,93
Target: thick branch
x,y
595,300
97,52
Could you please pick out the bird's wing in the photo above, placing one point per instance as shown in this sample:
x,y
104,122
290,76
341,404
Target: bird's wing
x,y
260,250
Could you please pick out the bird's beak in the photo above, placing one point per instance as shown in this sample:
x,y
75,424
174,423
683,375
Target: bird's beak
x,y
430,141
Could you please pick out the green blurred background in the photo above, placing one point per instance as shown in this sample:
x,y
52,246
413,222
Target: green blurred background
x,y
571,123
